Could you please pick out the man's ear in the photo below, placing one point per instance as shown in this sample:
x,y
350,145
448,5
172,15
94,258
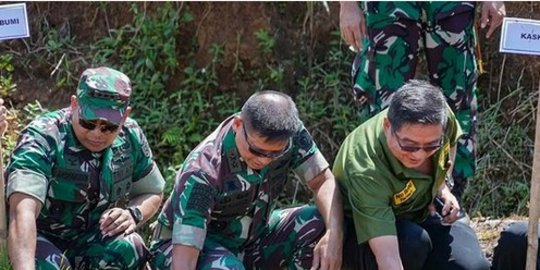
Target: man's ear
x,y
386,124
126,114
237,123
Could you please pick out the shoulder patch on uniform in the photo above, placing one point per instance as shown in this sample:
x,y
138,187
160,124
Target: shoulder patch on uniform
x,y
200,198
146,149
303,139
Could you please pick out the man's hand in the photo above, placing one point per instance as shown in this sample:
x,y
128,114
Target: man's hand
x,y
115,221
492,15
327,253
3,122
352,24
450,210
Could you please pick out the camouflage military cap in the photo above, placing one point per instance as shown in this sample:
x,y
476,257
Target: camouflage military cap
x,y
103,93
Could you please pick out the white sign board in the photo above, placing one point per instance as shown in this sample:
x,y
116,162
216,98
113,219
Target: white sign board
x,y
13,21
520,36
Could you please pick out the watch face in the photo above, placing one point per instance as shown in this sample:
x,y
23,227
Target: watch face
x,y
136,214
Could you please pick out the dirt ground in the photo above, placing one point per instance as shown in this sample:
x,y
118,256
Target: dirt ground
x,y
488,231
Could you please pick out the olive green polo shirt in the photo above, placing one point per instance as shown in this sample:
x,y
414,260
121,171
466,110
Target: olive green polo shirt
x,y
377,188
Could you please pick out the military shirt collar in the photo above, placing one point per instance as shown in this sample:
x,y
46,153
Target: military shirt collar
x,y
231,154
236,163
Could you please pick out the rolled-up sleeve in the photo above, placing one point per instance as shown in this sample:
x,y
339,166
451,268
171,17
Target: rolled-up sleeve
x,y
308,161
192,201
29,169
152,183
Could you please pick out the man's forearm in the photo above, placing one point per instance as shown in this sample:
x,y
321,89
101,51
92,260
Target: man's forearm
x,y
328,200
184,257
22,244
22,237
349,4
386,251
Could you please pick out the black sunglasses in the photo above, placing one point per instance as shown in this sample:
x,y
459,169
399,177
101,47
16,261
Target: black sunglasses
x,y
261,153
416,148
92,124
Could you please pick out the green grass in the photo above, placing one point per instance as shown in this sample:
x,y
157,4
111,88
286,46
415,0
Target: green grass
x,y
505,153
4,262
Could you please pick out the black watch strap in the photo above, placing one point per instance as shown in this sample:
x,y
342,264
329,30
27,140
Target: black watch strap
x,y
136,214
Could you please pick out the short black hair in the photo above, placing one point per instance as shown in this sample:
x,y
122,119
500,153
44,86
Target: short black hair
x,y
271,114
417,102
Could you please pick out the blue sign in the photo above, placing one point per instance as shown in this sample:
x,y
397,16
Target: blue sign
x,y
520,36
13,21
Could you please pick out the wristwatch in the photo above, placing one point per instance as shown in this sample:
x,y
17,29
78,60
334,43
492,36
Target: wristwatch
x,y
136,214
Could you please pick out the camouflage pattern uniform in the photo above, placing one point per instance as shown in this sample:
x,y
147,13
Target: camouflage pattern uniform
x,y
76,186
223,208
396,32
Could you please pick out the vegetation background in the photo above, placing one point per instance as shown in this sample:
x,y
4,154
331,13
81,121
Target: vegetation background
x,y
194,63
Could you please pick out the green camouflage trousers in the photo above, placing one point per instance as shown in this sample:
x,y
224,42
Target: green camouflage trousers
x,y
397,31
287,243
92,251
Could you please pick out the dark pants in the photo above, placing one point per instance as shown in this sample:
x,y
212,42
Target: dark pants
x,y
511,251
428,245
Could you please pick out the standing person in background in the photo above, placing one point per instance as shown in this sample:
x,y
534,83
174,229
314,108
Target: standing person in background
x,y
388,37
69,176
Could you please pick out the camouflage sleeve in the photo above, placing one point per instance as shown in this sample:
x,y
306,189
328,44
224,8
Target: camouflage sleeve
x,y
308,160
30,165
152,183
453,129
192,201
146,175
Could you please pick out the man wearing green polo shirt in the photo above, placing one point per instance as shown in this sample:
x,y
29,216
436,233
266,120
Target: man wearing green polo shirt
x,y
391,169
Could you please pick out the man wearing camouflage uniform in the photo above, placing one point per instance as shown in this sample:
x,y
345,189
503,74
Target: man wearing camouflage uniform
x,y
219,215
387,58
70,176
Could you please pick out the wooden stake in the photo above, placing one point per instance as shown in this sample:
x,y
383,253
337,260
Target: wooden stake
x,y
3,214
534,211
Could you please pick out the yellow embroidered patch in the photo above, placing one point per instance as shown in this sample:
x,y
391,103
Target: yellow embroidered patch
x,y
405,194
445,149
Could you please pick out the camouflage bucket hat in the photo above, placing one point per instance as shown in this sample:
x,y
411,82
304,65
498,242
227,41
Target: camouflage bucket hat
x,y
103,93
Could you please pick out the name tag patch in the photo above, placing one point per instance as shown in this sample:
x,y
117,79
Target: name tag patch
x,y
405,194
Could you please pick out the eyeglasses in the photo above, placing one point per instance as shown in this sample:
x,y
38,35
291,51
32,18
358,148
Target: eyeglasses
x,y
416,148
93,124
262,153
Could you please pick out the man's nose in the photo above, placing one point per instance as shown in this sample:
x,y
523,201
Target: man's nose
x,y
264,160
96,132
420,154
